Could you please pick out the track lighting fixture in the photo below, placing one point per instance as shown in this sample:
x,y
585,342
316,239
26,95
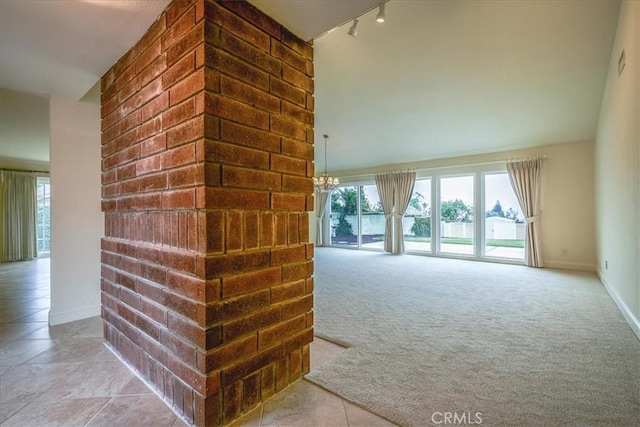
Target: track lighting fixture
x,y
381,17
353,31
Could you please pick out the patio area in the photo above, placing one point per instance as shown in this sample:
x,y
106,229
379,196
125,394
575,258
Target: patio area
x,y
455,249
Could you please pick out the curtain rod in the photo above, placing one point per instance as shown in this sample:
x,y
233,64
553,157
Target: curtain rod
x,y
22,170
395,171
419,169
526,159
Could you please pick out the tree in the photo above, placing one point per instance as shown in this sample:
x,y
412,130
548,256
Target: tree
x,y
421,226
511,214
338,202
365,204
456,211
419,202
343,228
345,200
496,211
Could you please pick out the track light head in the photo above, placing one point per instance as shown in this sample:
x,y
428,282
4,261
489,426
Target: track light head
x,y
381,17
353,30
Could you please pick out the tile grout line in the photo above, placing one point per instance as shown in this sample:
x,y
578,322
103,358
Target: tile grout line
x,y
153,390
261,413
346,415
99,411
35,398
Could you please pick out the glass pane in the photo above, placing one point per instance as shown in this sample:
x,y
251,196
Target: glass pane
x,y
504,223
372,217
456,215
344,216
43,216
416,223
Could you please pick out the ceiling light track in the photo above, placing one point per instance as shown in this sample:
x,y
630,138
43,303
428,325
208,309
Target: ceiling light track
x,y
381,17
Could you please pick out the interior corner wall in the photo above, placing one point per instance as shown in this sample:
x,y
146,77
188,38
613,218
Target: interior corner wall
x,y
568,214
77,221
617,166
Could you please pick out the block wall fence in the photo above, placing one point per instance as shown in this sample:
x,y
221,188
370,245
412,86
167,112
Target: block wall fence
x,y
207,165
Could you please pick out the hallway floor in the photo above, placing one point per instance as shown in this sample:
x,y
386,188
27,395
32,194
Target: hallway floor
x,y
48,376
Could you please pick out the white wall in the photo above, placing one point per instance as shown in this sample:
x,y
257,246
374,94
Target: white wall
x,y
77,221
24,129
617,175
568,214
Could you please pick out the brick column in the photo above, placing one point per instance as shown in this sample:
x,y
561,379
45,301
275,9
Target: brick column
x,y
207,163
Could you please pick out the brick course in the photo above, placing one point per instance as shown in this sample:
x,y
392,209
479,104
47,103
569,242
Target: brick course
x,y
207,151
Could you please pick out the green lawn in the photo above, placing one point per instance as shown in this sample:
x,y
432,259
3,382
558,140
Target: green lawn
x,y
506,243
467,241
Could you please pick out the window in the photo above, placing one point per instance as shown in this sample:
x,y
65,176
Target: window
x,y
456,215
504,226
462,211
372,217
356,217
344,216
43,216
416,223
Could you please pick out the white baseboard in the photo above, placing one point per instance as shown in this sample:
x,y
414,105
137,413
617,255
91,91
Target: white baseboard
x,y
58,318
624,309
579,266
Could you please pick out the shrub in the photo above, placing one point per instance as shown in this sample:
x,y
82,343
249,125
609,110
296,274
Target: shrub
x,y
421,227
344,227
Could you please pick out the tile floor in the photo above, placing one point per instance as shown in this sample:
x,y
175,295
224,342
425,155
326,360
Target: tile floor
x,y
47,375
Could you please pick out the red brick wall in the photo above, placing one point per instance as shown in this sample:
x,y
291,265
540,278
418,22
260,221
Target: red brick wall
x,y
207,285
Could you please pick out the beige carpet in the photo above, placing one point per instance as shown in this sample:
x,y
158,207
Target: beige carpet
x,y
505,345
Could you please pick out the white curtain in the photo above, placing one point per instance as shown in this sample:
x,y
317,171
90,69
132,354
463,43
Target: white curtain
x,y
404,182
19,234
526,179
395,190
385,187
322,199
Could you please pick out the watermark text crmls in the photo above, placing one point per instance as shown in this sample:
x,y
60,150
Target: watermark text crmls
x,y
456,418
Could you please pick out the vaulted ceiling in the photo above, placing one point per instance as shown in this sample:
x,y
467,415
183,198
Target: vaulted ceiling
x,y
438,79
450,78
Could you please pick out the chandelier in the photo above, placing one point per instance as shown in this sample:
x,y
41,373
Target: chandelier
x,y
325,183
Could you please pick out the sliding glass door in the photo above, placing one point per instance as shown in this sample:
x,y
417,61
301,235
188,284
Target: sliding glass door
x,y
372,218
457,215
474,214
504,226
416,223
344,216
43,216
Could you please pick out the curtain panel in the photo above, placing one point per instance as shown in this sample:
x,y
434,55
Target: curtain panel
x,y
404,182
19,234
526,180
395,190
385,186
322,200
